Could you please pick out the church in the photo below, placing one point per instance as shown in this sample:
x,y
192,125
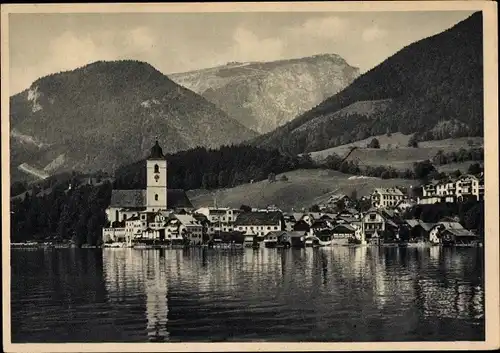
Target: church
x,y
126,204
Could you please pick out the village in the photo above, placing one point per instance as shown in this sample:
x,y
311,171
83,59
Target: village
x,y
162,217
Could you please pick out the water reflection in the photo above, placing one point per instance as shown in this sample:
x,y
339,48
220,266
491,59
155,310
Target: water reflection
x,y
326,294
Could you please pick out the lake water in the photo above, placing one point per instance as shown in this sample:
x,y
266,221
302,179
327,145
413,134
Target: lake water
x,y
338,294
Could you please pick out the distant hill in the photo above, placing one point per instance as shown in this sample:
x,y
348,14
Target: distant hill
x,y
304,188
265,95
433,88
394,151
107,114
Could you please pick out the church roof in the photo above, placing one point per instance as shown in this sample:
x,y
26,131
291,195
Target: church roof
x,y
128,198
156,152
176,198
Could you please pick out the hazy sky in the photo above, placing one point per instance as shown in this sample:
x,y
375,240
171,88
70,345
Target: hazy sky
x,y
41,44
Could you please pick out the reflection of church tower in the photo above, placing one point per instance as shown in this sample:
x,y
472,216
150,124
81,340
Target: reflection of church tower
x,y
156,184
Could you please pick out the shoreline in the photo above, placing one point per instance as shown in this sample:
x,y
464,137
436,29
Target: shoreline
x,y
233,246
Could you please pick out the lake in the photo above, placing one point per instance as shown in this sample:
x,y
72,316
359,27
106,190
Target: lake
x,y
340,294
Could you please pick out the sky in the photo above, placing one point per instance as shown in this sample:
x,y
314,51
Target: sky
x,y
41,44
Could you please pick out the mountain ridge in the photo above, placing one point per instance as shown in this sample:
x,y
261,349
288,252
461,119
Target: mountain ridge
x,y
264,95
428,82
108,113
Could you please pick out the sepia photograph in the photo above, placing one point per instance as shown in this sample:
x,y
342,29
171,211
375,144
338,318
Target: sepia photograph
x,y
258,175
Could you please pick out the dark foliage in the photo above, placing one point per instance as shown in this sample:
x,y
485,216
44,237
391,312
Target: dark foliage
x,y
213,168
64,215
470,213
374,143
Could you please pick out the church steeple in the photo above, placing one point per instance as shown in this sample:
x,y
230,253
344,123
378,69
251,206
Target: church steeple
x,y
156,152
156,176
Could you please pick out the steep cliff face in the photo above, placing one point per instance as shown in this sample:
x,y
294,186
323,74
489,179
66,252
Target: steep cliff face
x,y
263,96
109,113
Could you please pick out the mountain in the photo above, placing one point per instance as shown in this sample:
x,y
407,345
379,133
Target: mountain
x,y
433,88
265,95
107,114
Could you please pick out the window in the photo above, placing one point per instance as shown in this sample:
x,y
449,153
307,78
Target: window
x,y
156,198
157,169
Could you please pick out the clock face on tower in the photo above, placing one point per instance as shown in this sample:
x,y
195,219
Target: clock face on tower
x,y
157,177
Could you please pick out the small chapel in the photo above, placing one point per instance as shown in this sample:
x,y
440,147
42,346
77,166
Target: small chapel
x,y
126,204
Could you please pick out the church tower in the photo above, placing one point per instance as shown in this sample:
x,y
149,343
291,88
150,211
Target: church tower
x,y
156,185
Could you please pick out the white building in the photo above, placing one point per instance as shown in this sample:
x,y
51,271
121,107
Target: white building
x,y
451,190
386,197
259,223
221,218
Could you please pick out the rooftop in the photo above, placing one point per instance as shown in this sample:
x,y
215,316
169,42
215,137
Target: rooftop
x,y
259,218
176,198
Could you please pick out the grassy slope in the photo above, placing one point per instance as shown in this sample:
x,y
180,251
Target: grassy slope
x,y
303,189
398,155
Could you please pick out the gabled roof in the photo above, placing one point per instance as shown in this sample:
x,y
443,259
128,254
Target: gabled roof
x,y
295,234
389,191
134,218
187,220
176,198
460,232
128,198
450,225
320,223
417,222
259,218
344,227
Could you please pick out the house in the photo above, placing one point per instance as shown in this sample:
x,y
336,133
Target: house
x,y
189,227
221,218
449,232
341,199
418,231
429,189
342,234
404,205
259,223
272,238
134,227
429,200
386,197
374,222
292,239
114,234
321,224
469,185
302,226
232,237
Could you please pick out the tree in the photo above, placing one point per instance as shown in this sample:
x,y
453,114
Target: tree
x,y
271,177
314,208
222,179
284,178
374,143
423,169
246,208
354,195
456,173
413,142
474,168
